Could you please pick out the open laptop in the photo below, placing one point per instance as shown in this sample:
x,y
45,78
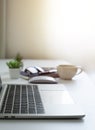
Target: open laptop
x,y
28,101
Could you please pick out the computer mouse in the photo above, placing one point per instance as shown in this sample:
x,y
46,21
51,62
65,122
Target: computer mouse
x,y
42,80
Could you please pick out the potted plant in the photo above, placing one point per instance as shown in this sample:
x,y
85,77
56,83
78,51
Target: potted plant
x,y
19,59
15,66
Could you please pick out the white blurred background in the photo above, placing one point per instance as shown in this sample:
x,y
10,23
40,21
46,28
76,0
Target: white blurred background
x,y
50,29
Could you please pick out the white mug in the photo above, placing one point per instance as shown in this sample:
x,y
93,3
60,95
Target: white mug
x,y
67,72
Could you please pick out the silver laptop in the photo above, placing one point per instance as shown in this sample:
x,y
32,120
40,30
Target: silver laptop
x,y
28,101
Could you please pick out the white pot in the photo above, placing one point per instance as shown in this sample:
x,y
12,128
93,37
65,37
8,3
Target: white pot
x,y
14,73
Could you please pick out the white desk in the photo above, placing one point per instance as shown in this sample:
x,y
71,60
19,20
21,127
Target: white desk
x,y
81,89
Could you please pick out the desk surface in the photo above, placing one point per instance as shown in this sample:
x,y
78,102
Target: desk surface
x,y
81,89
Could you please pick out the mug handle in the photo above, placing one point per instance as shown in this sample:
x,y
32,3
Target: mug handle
x,y
79,70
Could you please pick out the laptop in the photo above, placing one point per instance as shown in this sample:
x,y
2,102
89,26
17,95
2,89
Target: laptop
x,y
37,101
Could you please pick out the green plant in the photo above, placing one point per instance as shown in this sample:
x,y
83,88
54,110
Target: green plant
x,y
14,64
18,57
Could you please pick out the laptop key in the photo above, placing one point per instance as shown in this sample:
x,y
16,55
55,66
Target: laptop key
x,y
22,99
38,101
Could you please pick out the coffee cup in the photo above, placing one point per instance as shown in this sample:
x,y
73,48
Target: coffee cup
x,y
67,72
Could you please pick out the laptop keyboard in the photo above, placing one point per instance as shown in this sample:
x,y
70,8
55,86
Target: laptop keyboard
x,y
22,99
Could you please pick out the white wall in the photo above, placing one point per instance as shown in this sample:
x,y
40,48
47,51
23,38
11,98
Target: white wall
x,y
2,28
58,29
1,22
31,30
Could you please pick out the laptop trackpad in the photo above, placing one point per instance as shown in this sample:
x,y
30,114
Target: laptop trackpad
x,y
60,103
56,97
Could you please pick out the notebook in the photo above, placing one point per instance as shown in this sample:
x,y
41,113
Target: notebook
x,y
30,101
